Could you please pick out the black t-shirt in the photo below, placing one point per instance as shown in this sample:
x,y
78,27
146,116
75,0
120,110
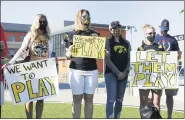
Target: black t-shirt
x,y
118,54
154,47
85,64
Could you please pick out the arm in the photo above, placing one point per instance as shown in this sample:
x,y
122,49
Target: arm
x,y
50,44
3,44
22,49
128,57
68,52
176,48
108,62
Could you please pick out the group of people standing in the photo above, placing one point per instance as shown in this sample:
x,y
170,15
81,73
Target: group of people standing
x,y
83,72
158,42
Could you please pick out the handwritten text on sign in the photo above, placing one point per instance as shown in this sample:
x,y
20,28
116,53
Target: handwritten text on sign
x,y
32,80
154,69
88,46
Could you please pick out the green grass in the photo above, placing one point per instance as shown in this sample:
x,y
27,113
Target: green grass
x,y
100,75
60,110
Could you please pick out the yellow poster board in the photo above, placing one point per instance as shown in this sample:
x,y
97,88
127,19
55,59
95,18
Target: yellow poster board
x,y
88,47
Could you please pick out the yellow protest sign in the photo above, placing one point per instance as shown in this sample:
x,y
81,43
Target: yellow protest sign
x,y
88,46
154,70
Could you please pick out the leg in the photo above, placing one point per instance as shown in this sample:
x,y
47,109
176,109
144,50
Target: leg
x,y
76,109
76,80
156,97
169,101
90,83
111,86
29,110
143,97
39,108
88,98
121,86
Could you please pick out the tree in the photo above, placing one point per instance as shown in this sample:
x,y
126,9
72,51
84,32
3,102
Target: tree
x,y
182,11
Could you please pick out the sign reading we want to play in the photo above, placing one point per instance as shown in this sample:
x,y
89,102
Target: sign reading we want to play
x,y
154,70
88,46
32,80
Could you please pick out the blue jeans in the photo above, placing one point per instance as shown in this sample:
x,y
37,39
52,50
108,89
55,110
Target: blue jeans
x,y
115,93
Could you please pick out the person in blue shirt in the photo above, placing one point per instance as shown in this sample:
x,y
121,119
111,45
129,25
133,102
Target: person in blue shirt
x,y
169,43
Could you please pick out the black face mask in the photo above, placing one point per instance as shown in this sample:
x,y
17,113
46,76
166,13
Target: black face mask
x,y
42,26
151,38
164,32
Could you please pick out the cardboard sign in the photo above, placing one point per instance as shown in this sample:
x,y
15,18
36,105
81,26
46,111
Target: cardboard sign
x,y
154,70
88,47
32,80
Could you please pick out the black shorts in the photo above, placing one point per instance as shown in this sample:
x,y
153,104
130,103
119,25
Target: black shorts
x,y
156,91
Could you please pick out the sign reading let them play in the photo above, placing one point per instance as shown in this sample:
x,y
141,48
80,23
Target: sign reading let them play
x,y
154,70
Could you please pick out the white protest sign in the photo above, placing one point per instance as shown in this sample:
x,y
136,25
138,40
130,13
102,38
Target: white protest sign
x,y
32,81
154,70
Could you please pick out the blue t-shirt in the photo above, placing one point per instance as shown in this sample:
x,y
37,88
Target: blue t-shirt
x,y
168,42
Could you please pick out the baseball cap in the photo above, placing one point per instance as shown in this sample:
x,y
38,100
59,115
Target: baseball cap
x,y
165,25
114,25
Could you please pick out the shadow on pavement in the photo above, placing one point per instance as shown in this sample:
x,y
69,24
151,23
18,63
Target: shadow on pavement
x,y
67,86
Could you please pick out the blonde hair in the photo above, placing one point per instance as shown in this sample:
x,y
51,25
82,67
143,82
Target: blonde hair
x,y
78,24
35,26
146,26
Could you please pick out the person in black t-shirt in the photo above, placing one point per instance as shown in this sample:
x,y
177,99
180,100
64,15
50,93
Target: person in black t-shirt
x,y
83,73
149,45
117,70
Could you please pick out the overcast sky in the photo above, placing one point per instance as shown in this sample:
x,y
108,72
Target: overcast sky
x,y
135,13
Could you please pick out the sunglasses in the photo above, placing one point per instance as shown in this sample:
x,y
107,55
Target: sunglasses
x,y
86,17
150,33
43,22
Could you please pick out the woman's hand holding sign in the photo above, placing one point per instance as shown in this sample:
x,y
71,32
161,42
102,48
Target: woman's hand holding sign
x,y
5,66
69,51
